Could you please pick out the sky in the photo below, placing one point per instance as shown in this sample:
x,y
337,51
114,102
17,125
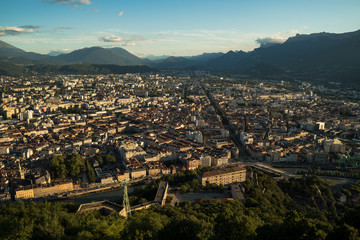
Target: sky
x,y
168,27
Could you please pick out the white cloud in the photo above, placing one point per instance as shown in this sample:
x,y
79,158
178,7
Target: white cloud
x,y
121,13
124,41
269,40
64,50
5,31
73,3
112,39
279,37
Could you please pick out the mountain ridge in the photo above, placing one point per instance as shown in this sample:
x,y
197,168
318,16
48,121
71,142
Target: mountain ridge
x,y
319,55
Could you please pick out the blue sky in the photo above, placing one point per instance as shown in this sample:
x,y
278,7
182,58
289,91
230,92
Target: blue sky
x,y
168,27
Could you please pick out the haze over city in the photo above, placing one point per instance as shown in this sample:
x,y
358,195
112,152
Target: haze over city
x,y
178,28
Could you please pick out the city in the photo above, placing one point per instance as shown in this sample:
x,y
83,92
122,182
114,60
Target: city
x,y
137,126
208,120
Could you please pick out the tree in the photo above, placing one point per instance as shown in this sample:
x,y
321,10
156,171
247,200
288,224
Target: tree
x,y
90,172
109,159
57,167
75,165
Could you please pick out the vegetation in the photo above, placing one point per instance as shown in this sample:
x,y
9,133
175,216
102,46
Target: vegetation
x,y
105,159
70,166
90,172
273,210
7,68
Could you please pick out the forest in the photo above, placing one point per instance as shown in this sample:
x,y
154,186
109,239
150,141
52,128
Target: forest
x,y
302,208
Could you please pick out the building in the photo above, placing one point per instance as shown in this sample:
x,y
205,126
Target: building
x,y
24,192
223,176
137,172
43,190
205,160
161,193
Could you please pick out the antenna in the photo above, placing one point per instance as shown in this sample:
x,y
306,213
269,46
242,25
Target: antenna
x,y
126,202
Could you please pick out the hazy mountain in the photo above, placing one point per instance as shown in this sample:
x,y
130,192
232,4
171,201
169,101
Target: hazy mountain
x,y
205,57
303,51
186,61
156,58
321,55
118,56
89,69
7,68
174,63
55,53
324,55
7,50
6,45
227,61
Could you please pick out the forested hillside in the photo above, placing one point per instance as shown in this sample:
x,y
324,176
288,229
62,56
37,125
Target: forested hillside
x,y
272,211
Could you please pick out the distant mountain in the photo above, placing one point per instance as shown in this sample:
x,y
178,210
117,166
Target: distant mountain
x,y
7,50
118,56
6,45
227,61
185,62
328,56
205,57
55,53
174,63
156,58
324,55
17,55
7,68
89,69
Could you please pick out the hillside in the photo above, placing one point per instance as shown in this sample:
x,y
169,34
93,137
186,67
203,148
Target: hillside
x,y
326,55
7,68
289,209
117,56
89,69
98,55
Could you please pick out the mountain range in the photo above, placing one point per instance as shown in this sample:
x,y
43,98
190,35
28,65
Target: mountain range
x,y
319,55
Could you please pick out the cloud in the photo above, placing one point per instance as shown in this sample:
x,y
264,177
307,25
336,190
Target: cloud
x,y
61,29
30,26
96,10
11,31
64,50
112,39
73,3
279,37
123,41
56,52
121,13
270,40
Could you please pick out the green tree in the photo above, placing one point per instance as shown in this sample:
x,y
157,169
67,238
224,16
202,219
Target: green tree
x,y
90,172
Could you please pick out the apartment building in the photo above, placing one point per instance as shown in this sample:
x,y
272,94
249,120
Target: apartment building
x,y
223,176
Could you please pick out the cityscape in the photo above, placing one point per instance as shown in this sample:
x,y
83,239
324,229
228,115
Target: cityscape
x,y
102,141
